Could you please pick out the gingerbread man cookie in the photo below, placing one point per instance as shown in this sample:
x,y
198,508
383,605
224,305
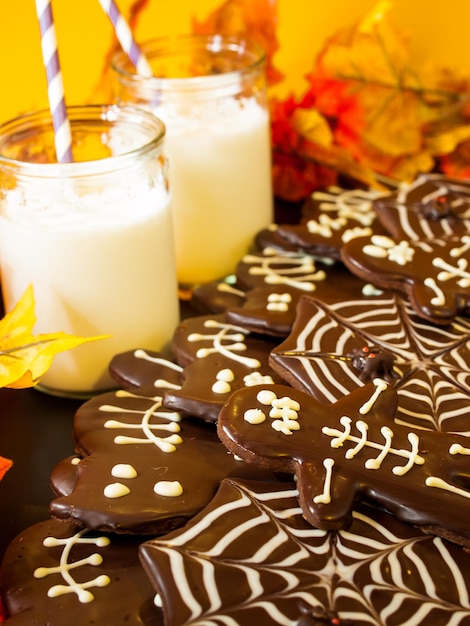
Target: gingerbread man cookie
x,y
433,274
350,450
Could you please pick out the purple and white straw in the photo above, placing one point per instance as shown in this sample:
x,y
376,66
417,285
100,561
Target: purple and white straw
x,y
55,86
125,38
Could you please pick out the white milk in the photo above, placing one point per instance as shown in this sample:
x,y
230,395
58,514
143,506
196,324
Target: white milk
x,y
220,178
99,264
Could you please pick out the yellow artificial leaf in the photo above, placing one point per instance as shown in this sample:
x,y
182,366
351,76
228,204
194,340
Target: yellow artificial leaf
x,y
313,126
446,141
396,106
24,357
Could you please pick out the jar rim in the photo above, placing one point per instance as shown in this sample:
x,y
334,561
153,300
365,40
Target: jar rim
x,y
253,54
78,114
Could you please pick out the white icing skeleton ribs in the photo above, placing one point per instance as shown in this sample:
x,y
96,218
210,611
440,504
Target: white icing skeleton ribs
x,y
353,448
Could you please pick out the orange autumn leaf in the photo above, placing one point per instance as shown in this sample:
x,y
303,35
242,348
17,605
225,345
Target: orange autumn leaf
x,y
5,465
395,105
24,357
253,19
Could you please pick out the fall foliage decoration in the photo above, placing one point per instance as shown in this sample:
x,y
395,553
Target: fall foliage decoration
x,y
24,357
370,113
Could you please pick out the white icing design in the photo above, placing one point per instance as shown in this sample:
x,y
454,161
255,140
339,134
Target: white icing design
x,y
279,302
465,239
165,443
123,470
225,332
299,273
453,272
435,481
116,490
326,225
326,569
371,290
226,288
349,204
284,413
439,299
456,448
355,233
168,488
325,497
434,393
254,416
223,380
256,378
380,386
142,354
383,247
340,437
266,397
64,568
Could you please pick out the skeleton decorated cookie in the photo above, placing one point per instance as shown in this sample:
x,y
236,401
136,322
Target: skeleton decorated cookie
x,y
332,217
353,450
136,459
433,274
60,574
216,358
336,347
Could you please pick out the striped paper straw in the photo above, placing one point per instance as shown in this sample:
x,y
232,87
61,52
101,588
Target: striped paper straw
x,y
125,38
55,86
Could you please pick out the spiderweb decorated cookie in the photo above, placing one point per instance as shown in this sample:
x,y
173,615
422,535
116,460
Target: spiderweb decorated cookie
x,y
336,347
430,207
263,564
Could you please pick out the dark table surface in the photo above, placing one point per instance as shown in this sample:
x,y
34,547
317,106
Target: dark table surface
x,y
36,433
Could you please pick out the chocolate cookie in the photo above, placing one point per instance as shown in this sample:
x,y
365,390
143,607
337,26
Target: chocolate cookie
x,y
432,206
218,358
324,357
58,574
351,450
434,275
251,558
271,310
281,268
217,296
332,217
137,474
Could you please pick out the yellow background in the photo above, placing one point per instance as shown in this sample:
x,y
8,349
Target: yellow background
x,y
438,32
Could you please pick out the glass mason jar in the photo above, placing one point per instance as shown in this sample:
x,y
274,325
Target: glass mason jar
x,y
210,91
93,237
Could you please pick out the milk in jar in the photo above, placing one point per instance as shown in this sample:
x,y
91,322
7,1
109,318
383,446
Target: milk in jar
x,y
210,91
94,238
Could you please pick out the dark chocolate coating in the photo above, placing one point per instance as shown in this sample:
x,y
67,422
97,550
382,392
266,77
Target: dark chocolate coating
x,y
432,362
127,600
353,450
264,564
432,274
